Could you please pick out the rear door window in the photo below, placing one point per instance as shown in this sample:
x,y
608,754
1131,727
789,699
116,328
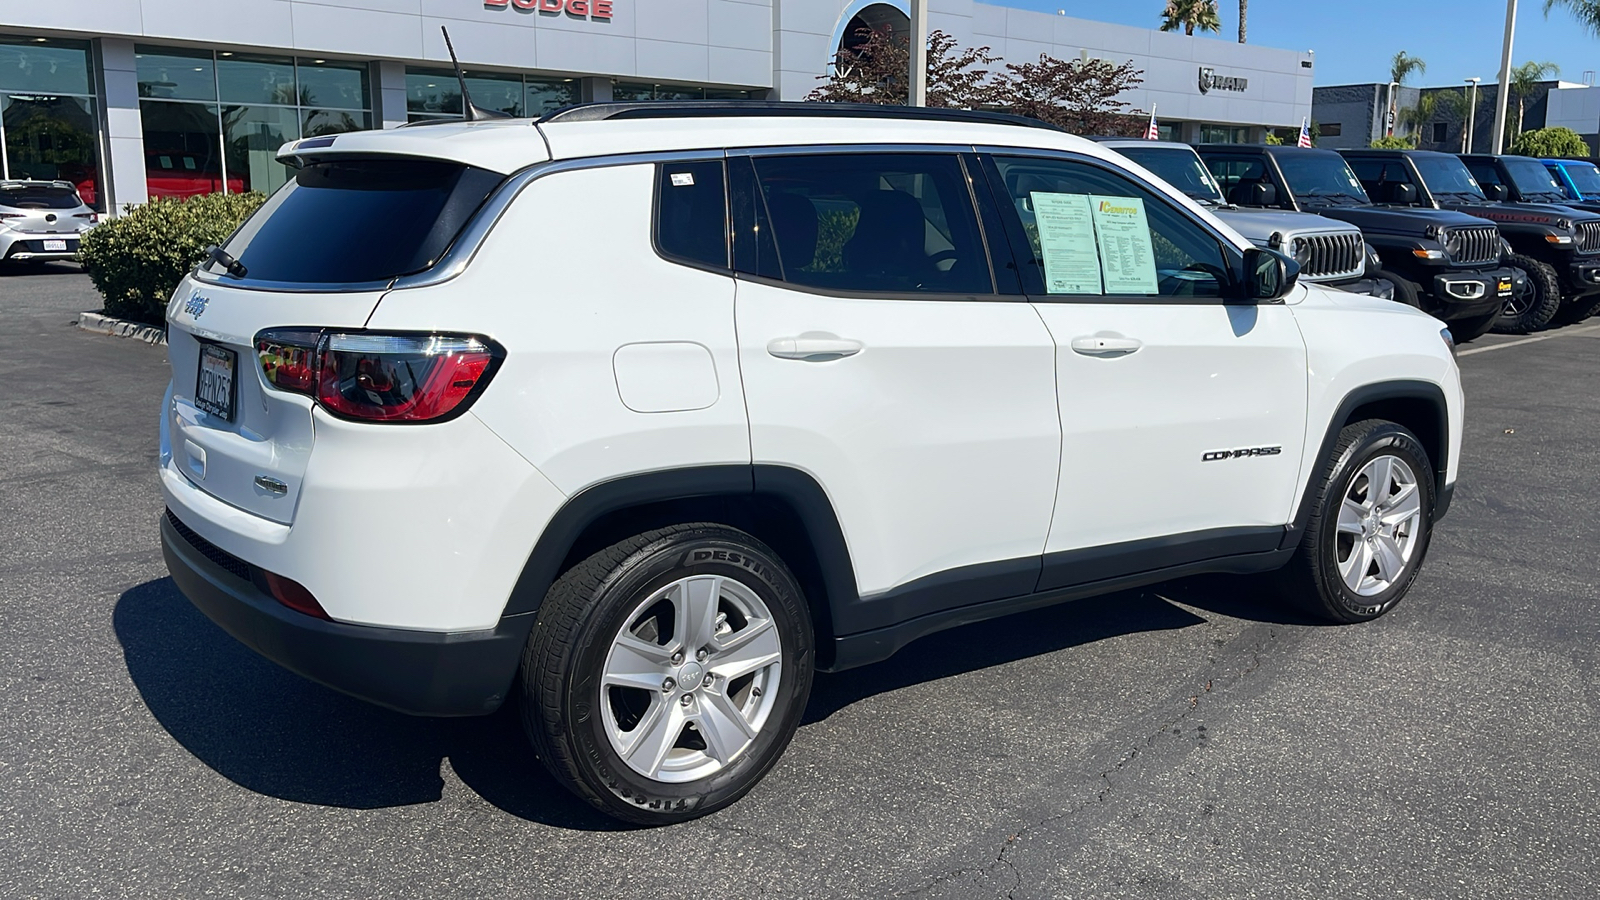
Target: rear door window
x,y
878,223
358,221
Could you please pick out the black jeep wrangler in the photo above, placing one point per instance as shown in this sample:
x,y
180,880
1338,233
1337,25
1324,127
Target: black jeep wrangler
x,y
1445,263
1557,246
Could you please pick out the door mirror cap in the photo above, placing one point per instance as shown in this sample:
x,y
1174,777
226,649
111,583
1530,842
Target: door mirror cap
x,y
1269,275
1495,192
1404,193
1262,194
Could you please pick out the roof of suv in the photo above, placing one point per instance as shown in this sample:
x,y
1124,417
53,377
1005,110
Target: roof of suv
x,y
507,145
1118,142
1260,148
1379,151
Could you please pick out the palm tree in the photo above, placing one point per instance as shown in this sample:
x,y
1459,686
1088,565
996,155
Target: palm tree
x,y
1454,106
1523,80
1420,115
1244,14
1587,12
1403,65
1191,14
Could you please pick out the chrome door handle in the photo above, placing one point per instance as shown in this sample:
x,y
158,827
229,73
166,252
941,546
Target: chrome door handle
x,y
1105,346
813,349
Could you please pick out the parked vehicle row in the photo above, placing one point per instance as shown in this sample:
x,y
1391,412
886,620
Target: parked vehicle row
x,y
644,425
1482,242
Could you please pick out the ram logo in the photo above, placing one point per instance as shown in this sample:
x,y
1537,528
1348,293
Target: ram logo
x,y
1215,455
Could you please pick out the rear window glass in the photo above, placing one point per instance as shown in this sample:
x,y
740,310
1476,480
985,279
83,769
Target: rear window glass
x,y
41,196
356,221
692,213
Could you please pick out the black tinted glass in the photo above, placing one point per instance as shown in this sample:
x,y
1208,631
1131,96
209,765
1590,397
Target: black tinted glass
x,y
358,221
881,223
41,196
692,212
1179,168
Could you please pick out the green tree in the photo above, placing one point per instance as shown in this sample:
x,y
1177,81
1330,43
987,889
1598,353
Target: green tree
x,y
1404,65
1587,12
876,70
1273,140
1191,14
1547,143
1077,95
1524,79
1394,142
1422,114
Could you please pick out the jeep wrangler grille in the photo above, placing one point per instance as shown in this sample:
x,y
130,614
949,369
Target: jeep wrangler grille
x,y
1588,237
1480,245
1331,255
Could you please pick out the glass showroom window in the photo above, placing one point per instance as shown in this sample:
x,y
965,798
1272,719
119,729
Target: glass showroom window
x,y
435,94
623,90
48,125
214,121
1225,134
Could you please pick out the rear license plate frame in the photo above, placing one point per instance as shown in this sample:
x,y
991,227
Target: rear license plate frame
x,y
55,245
209,396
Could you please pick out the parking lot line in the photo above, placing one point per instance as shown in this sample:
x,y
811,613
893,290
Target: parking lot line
x,y
1565,332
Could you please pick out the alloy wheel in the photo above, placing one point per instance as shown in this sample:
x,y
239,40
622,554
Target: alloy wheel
x,y
1380,522
691,678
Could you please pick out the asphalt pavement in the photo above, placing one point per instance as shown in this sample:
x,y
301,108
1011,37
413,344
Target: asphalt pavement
x,y
1189,741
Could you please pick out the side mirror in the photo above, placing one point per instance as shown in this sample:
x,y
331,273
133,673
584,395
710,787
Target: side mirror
x,y
1263,194
1495,192
1269,274
1403,194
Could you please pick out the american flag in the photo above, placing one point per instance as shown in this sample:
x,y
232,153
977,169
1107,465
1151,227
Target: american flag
x,y
1152,133
1305,133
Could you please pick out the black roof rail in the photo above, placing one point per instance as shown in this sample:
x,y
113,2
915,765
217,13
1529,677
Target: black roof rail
x,y
710,109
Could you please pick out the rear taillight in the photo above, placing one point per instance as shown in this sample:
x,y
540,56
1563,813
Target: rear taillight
x,y
379,377
92,217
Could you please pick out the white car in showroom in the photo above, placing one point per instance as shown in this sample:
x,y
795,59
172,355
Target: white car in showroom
x,y
643,413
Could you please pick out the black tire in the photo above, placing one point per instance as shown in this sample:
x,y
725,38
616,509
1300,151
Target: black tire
x,y
1405,291
1464,330
1579,309
586,610
1533,310
1312,578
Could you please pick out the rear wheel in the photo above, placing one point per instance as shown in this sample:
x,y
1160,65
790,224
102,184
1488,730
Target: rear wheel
x,y
1534,303
1369,527
667,673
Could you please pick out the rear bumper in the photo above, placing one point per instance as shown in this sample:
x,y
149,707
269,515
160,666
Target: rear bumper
x,y
16,247
422,673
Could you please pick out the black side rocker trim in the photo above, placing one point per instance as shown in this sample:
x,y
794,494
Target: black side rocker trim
x,y
416,672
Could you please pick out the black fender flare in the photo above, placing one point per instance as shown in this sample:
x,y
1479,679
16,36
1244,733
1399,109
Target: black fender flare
x,y
1374,393
797,490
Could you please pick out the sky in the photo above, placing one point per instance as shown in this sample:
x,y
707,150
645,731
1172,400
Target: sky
x,y
1355,39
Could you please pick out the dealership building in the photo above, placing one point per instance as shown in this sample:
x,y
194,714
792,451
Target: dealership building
x,y
133,99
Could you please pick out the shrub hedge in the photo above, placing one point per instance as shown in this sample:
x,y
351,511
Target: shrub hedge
x,y
137,259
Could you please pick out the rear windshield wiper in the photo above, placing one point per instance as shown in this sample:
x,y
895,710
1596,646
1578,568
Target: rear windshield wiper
x,y
227,261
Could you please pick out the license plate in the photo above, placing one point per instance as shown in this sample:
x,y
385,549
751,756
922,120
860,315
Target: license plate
x,y
213,386
1505,287
54,246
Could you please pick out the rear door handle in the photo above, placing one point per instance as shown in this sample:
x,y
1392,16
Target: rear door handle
x,y
813,349
1105,346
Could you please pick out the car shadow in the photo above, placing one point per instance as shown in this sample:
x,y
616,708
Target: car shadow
x,y
13,270
275,733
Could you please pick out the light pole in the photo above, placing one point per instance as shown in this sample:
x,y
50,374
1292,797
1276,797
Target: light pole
x,y
919,53
1499,142
1392,112
1472,114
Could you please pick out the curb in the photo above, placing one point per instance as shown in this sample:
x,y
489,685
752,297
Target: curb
x,y
96,323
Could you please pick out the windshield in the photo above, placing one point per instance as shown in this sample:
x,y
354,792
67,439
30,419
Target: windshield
x,y
39,196
1447,176
351,221
1180,168
1585,176
1321,179
1533,180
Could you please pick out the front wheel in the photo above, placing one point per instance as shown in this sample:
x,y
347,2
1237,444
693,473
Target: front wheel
x,y
1535,302
666,674
1369,528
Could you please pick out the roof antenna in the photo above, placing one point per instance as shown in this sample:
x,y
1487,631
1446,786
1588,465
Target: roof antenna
x,y
469,112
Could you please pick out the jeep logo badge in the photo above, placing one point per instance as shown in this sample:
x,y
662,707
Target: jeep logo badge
x,y
196,305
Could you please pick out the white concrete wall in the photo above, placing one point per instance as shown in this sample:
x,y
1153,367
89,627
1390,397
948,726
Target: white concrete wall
x,y
1577,108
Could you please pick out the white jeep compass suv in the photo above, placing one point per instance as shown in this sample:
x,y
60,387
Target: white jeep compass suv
x,y
643,413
